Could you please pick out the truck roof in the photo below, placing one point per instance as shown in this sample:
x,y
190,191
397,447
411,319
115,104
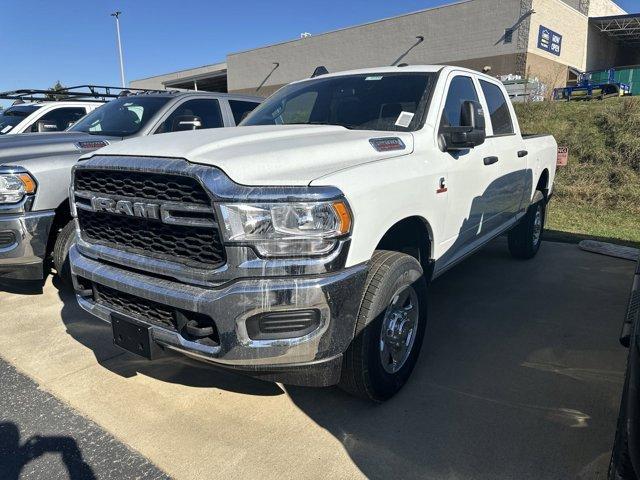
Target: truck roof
x,y
399,68
182,93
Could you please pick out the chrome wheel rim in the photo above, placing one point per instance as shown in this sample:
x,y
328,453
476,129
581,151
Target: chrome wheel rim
x,y
399,327
537,226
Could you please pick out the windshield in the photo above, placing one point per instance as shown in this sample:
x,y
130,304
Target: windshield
x,y
120,118
385,101
12,116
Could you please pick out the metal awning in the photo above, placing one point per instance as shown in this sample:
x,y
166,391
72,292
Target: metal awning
x,y
623,29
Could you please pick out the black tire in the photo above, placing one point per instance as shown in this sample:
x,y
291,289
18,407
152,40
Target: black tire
x,y
391,274
66,238
523,241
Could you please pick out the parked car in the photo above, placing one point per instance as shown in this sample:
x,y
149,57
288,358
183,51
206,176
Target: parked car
x,y
625,460
35,169
41,117
299,247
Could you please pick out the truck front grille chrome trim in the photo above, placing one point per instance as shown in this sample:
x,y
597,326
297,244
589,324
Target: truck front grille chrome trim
x,y
171,213
157,214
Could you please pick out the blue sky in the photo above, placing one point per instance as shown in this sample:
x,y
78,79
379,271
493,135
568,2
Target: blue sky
x,y
73,41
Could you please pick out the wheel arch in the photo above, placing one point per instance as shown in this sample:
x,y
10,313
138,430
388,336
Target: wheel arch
x,y
412,235
543,182
61,218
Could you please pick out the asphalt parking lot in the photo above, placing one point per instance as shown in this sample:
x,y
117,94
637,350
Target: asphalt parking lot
x,y
519,378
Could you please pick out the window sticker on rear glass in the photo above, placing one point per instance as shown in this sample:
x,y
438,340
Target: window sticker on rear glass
x,y
404,119
373,79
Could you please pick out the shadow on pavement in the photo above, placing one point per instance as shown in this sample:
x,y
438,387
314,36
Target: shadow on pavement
x,y
172,367
519,376
14,456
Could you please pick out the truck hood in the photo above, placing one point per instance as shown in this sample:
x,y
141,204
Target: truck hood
x,y
268,155
16,148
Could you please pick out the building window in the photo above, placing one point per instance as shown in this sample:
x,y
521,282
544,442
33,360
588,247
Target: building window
x,y
508,35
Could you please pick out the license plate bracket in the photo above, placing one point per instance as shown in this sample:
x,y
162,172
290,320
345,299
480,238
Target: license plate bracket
x,y
133,337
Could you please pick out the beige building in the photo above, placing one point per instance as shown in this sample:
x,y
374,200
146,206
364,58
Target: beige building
x,y
548,39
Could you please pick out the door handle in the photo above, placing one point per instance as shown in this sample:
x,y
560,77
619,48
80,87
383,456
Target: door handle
x,y
522,153
490,160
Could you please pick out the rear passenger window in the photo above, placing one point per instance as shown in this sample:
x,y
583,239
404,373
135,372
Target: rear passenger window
x,y
498,108
461,89
201,112
241,109
60,118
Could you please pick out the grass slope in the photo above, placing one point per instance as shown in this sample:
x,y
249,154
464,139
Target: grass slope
x,y
598,193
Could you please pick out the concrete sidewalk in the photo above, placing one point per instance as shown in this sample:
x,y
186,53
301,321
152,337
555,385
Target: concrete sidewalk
x,y
519,378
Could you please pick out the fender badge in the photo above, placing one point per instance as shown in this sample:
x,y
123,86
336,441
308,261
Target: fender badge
x,y
442,186
387,144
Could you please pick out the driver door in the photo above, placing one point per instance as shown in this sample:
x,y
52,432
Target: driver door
x,y
472,209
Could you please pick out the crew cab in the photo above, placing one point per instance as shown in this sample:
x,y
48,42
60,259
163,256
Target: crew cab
x,y
38,117
35,169
299,247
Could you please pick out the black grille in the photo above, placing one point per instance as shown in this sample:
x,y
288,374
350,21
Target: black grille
x,y
136,306
7,239
189,245
152,186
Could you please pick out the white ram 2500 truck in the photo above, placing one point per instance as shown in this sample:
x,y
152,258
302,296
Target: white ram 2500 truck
x,y
299,247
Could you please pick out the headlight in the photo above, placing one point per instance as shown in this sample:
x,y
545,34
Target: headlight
x,y
14,186
287,229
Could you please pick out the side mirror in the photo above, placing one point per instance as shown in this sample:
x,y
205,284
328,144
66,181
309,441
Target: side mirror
x,y
471,131
46,126
186,122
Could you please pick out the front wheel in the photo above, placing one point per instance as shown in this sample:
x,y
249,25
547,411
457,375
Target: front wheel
x,y
389,329
66,238
526,237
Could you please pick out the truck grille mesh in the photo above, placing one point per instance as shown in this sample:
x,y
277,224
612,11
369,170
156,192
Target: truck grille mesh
x,y
138,307
194,246
189,245
151,186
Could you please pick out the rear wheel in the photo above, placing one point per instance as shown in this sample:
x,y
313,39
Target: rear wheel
x,y
526,237
389,330
65,239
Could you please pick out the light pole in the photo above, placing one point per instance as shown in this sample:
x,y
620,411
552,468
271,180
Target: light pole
x,y
117,17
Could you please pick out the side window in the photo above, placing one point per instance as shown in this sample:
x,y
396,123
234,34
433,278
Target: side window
x,y
241,109
498,108
461,89
60,119
193,114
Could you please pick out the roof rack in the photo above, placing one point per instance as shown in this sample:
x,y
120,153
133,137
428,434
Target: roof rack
x,y
85,93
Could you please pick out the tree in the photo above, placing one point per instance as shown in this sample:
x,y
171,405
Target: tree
x,y
57,87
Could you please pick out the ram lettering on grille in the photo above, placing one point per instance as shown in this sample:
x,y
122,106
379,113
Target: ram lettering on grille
x,y
165,216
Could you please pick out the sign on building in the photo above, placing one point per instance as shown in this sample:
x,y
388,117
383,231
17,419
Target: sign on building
x,y
549,41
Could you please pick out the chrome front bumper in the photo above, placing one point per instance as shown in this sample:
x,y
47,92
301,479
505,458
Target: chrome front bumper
x,y
23,258
335,295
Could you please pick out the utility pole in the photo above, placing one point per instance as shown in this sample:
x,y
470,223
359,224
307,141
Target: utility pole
x,y
117,17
